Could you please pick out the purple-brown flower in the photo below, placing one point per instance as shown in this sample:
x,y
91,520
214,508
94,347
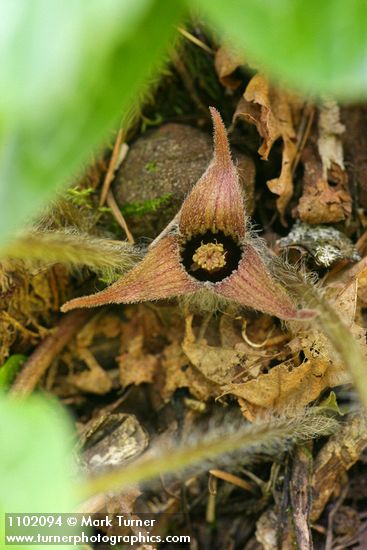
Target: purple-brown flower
x,y
207,247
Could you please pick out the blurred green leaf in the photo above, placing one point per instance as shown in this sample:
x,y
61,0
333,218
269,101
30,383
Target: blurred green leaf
x,y
314,46
69,71
9,369
35,458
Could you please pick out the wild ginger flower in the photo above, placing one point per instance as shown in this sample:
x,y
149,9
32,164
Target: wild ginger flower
x,y
206,247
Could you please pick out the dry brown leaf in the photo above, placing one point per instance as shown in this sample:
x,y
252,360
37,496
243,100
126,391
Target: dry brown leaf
x,y
93,380
104,324
266,529
177,373
321,202
336,457
274,112
284,386
288,386
355,272
217,364
226,62
326,197
136,367
362,287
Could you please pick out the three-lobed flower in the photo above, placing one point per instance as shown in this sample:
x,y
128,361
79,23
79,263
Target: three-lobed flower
x,y
207,248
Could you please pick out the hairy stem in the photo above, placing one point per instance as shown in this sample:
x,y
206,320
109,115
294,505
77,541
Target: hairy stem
x,y
264,436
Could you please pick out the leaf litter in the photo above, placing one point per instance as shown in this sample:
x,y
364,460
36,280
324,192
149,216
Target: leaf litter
x,y
147,381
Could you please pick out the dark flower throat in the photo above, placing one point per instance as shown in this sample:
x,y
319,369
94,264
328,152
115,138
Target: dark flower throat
x,y
211,257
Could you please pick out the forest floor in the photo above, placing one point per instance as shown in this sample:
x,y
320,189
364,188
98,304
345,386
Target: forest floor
x,y
161,376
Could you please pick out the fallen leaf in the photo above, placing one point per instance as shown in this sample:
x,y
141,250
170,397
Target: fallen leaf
x,y
178,373
217,364
93,380
292,386
337,456
321,202
136,367
226,61
274,112
325,197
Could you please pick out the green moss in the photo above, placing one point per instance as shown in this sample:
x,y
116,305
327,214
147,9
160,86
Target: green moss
x,y
79,196
151,167
146,207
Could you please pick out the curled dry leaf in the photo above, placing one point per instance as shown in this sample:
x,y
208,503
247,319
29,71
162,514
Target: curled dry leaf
x,y
292,386
355,148
326,197
226,61
94,378
274,112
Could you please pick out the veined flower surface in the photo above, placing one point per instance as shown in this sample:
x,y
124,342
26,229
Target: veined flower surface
x,y
207,248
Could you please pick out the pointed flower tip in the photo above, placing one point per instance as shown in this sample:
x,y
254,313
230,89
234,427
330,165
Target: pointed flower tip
x,y
216,201
76,303
306,314
158,276
222,152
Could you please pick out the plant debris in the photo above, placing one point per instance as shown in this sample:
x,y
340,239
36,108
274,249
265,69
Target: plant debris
x,y
229,414
326,245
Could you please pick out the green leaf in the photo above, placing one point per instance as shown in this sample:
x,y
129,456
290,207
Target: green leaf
x,y
314,46
331,403
69,71
35,459
9,369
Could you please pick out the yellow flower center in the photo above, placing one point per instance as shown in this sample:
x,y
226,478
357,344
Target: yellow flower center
x,y
210,256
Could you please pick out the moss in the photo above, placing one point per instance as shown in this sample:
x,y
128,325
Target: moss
x,y
79,196
146,207
151,167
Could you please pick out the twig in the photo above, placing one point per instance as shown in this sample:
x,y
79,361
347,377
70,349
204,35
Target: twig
x,y
339,502
234,480
118,155
300,494
303,133
118,216
212,499
40,360
195,40
249,342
